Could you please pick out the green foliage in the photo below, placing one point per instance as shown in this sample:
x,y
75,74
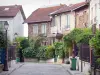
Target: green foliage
x,y
24,43
49,52
59,49
41,52
98,61
18,40
29,52
34,46
73,36
84,37
77,35
95,43
2,40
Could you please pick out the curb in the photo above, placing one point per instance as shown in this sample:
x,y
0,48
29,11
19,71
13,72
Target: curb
x,y
69,72
66,69
15,69
12,69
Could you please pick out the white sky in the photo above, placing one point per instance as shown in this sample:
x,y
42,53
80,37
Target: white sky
x,y
30,5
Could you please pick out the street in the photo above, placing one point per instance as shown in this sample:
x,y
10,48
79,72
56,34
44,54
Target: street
x,y
40,69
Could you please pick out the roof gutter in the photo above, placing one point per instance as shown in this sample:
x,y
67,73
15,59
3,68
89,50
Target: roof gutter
x,y
78,7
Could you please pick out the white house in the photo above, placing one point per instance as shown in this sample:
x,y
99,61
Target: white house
x,y
95,13
15,17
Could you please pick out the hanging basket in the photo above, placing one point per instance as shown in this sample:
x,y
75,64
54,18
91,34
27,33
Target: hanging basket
x,y
59,36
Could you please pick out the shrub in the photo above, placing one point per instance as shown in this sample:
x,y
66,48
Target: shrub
x,y
29,52
24,43
2,40
59,49
95,43
49,52
41,52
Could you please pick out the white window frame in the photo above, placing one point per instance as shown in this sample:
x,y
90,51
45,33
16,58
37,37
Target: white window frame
x,y
1,25
43,29
35,29
68,21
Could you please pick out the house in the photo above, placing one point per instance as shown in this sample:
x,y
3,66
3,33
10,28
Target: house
x,y
15,17
95,13
64,20
39,22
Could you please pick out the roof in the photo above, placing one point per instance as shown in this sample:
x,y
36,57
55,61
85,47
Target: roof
x,y
42,14
11,11
69,8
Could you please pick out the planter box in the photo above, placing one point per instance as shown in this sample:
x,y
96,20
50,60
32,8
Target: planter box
x,y
31,60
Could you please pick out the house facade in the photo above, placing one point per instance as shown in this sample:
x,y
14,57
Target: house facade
x,y
64,20
39,22
82,16
15,17
95,13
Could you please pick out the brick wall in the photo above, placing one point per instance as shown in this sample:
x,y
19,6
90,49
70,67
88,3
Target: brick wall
x,y
82,18
30,30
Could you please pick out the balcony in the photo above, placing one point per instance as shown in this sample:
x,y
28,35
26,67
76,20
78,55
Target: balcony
x,y
54,29
67,27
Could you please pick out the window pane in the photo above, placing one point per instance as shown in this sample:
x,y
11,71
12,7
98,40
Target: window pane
x,y
68,21
43,29
35,29
1,25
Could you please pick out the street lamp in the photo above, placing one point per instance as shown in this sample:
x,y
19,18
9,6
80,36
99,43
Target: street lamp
x,y
6,25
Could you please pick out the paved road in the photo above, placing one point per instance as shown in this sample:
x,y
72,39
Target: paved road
x,y
40,69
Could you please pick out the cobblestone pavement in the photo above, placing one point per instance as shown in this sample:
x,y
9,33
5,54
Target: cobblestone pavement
x,y
40,69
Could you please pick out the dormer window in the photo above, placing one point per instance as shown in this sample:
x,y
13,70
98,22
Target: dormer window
x,y
6,9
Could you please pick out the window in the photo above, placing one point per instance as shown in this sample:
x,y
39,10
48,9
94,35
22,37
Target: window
x,y
95,9
1,25
35,29
68,21
91,15
43,29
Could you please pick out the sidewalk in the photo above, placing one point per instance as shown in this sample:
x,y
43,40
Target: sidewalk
x,y
71,72
12,68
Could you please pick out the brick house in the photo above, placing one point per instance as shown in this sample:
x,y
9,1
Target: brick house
x,y
39,22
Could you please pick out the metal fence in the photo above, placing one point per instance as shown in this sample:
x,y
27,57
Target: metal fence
x,y
85,52
11,53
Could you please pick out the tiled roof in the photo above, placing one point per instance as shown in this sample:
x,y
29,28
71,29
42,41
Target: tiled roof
x,y
10,11
42,14
69,8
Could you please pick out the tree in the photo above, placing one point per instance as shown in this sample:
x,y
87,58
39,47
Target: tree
x,y
95,43
41,52
49,52
24,43
2,40
34,47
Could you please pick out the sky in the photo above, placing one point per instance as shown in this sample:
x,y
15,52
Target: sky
x,y
31,5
